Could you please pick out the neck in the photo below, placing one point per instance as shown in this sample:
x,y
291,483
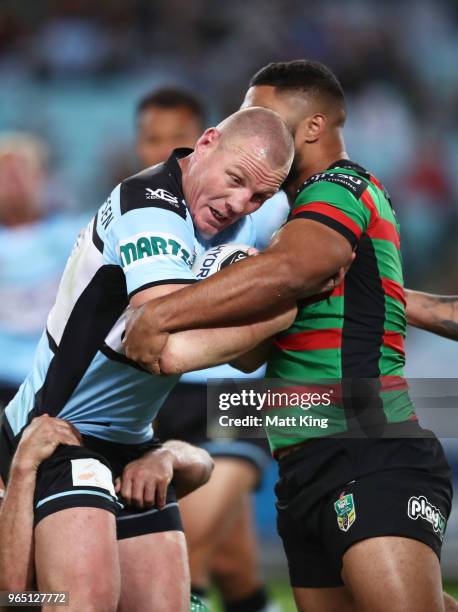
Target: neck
x,y
319,161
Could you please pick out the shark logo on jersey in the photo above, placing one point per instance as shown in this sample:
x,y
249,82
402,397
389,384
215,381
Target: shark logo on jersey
x,y
161,194
140,248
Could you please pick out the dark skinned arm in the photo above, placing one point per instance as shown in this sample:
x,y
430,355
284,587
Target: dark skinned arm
x,y
300,261
434,313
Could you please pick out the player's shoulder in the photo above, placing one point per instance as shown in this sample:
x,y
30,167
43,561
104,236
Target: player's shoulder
x,y
343,178
155,187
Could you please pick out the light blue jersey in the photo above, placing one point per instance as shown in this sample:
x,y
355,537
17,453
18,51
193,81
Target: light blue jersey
x,y
142,236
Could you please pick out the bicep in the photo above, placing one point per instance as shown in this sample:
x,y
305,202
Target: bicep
x,y
310,251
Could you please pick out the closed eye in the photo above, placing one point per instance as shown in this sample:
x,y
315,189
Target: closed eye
x,y
237,180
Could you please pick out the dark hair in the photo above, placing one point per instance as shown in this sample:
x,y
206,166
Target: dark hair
x,y
302,75
171,97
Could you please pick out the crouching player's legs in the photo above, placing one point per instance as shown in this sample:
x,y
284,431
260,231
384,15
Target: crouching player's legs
x,y
208,514
234,566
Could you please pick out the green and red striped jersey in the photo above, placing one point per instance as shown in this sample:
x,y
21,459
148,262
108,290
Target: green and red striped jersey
x,y
356,333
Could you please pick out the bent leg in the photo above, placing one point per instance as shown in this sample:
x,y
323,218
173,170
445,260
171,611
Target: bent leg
x,y
209,512
76,551
393,574
234,565
154,573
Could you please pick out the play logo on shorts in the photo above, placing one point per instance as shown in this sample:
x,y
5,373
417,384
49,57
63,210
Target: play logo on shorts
x,y
92,473
345,510
420,507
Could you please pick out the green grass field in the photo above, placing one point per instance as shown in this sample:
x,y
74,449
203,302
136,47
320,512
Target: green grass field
x,y
281,592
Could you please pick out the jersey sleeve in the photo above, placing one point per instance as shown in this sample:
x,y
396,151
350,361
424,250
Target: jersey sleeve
x,y
336,206
154,246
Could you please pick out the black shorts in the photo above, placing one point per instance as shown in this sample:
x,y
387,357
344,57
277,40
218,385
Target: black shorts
x,y
333,493
83,476
184,417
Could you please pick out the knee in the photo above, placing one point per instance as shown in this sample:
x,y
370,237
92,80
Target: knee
x,y
98,594
14,583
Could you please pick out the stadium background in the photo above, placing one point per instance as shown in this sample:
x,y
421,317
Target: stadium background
x,y
71,72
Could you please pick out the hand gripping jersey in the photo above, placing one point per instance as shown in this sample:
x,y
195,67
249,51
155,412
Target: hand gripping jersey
x,y
142,236
356,333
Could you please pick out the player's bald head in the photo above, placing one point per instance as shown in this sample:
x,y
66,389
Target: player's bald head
x,y
261,129
304,87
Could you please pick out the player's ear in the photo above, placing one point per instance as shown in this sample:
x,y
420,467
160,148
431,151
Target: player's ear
x,y
311,128
209,139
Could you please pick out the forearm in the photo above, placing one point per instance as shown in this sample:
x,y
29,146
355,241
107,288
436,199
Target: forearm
x,y
434,313
16,531
192,466
303,257
246,290
201,348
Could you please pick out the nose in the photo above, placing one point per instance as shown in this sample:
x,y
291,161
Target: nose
x,y
238,202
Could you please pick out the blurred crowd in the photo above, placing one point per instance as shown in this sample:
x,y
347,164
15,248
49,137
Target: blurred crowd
x,y
72,72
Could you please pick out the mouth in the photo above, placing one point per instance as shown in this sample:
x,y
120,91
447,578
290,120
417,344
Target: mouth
x,y
220,218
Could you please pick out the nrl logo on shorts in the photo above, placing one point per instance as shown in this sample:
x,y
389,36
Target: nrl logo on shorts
x,y
420,507
345,510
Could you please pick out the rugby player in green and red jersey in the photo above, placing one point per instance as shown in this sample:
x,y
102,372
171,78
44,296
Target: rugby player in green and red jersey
x,y
362,520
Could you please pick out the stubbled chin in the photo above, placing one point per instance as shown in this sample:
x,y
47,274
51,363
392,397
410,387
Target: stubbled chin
x,y
207,231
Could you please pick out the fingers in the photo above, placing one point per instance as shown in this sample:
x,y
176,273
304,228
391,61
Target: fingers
x,y
161,492
126,489
138,486
149,494
67,433
144,486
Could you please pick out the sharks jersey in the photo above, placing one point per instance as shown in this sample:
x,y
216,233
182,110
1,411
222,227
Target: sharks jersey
x,y
142,236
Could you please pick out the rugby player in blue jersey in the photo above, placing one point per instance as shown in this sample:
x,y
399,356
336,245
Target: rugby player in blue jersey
x,y
140,245
190,466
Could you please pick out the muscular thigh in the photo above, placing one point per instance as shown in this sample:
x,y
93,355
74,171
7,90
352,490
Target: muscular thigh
x,y
76,551
393,574
154,573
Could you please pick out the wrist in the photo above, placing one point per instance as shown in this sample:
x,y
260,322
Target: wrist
x,y
23,468
166,454
159,314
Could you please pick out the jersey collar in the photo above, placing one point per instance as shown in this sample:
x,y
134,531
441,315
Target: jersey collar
x,y
174,169
349,165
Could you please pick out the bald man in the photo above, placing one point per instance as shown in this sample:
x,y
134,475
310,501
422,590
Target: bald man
x,y
140,245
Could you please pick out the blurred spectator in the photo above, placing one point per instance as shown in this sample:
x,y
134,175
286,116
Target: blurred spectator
x,y
166,119
35,246
72,41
